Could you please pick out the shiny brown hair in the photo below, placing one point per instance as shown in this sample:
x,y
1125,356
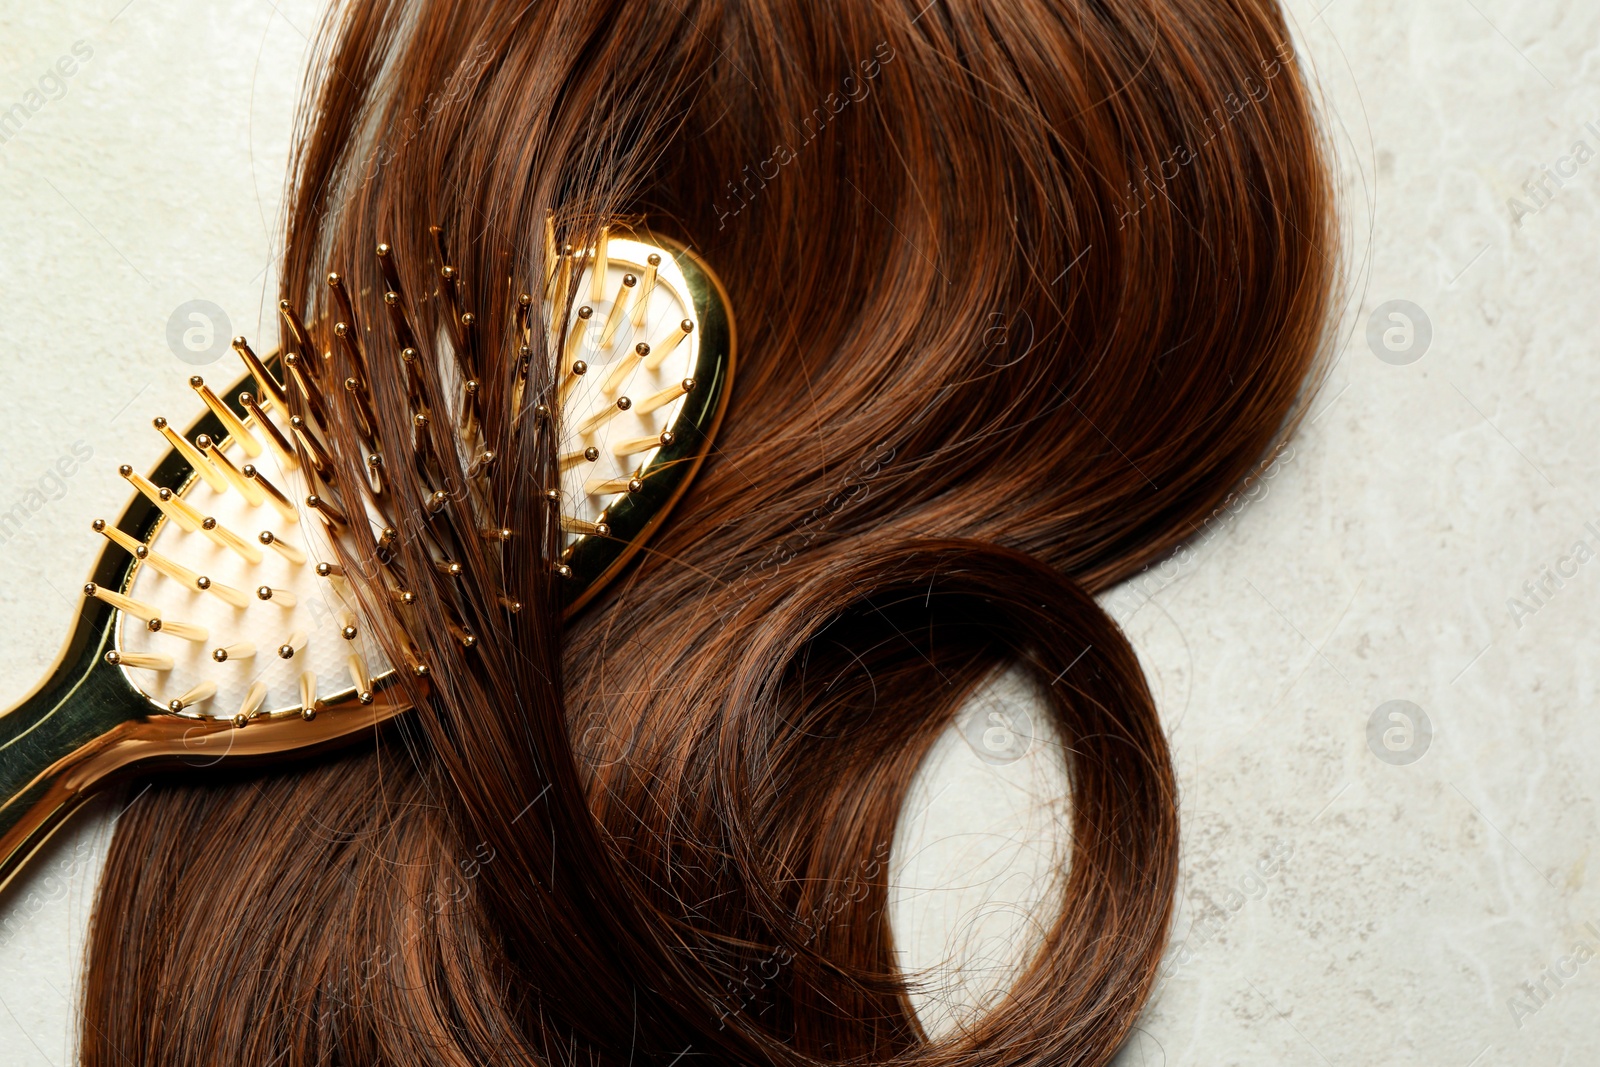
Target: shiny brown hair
x,y
1023,289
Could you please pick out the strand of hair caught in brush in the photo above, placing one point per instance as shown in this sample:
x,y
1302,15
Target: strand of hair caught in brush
x,y
685,784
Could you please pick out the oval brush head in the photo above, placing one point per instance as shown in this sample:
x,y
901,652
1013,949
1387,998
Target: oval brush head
x,y
218,623
652,332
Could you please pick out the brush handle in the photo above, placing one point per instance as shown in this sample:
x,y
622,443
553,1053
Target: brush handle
x,y
64,739
86,725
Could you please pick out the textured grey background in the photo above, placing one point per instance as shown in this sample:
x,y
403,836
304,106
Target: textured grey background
x,y
1342,902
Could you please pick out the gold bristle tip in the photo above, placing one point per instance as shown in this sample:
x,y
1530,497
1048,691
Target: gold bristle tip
x,y
233,476
584,526
270,493
201,691
226,538
643,444
607,486
150,661
257,370
236,428
125,604
308,695
195,457
282,449
599,418
329,514
281,597
182,630
253,698
233,596
293,553
666,396
170,506
667,344
358,675
624,368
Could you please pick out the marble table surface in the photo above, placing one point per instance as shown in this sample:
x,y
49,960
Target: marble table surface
x,y
1374,666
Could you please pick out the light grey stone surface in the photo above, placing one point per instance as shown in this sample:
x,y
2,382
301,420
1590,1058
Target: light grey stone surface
x,y
155,179
1342,902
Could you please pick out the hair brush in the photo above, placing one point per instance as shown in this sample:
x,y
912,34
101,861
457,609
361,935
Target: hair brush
x,y
216,625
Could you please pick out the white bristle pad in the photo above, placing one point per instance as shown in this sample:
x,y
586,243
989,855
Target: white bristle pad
x,y
318,610
669,303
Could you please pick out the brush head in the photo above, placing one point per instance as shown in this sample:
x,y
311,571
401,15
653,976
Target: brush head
x,y
234,610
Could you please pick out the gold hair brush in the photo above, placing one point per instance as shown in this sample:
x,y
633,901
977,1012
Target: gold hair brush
x,y
217,626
